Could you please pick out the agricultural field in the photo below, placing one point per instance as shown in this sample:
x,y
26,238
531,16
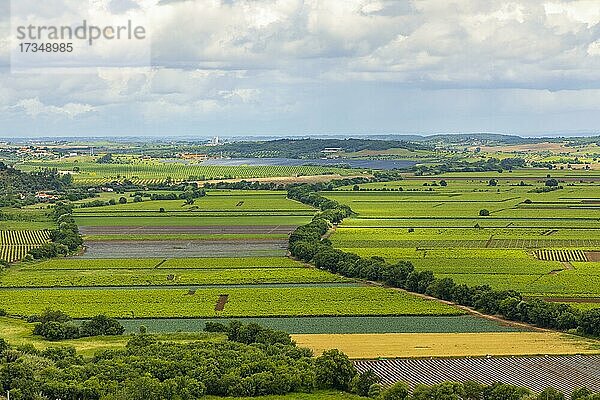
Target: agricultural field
x,y
223,257
543,244
213,202
226,302
337,325
222,224
172,266
145,171
14,244
564,373
421,345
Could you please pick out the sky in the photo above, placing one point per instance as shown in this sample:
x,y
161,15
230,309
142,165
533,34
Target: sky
x,y
291,67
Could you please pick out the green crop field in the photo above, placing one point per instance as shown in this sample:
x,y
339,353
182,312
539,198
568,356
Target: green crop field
x,y
522,245
535,243
242,302
163,276
173,263
255,286
190,220
211,203
151,171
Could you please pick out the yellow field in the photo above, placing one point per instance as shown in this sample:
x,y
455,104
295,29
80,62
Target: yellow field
x,y
449,344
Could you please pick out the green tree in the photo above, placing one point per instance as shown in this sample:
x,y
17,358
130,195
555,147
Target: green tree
x,y
361,383
398,391
581,393
334,370
550,394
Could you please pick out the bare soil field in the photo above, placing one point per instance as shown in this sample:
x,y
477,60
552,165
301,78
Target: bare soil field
x,y
592,255
564,373
183,248
209,229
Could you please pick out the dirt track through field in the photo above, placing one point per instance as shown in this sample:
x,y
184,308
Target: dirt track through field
x,y
208,229
221,302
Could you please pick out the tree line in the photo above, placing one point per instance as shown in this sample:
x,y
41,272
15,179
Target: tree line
x,y
307,244
252,361
65,238
56,325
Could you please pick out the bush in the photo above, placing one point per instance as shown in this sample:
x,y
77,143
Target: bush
x,y
581,393
214,327
53,330
550,394
361,383
249,333
398,391
484,212
101,325
334,370
56,325
49,250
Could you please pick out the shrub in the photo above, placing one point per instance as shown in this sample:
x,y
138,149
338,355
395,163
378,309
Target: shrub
x,y
101,325
361,383
334,370
398,391
550,394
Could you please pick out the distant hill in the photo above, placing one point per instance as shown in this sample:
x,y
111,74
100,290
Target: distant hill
x,y
305,148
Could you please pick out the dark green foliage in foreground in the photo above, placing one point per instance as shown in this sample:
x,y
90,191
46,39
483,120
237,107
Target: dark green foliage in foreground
x,y
56,325
272,365
147,369
307,244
